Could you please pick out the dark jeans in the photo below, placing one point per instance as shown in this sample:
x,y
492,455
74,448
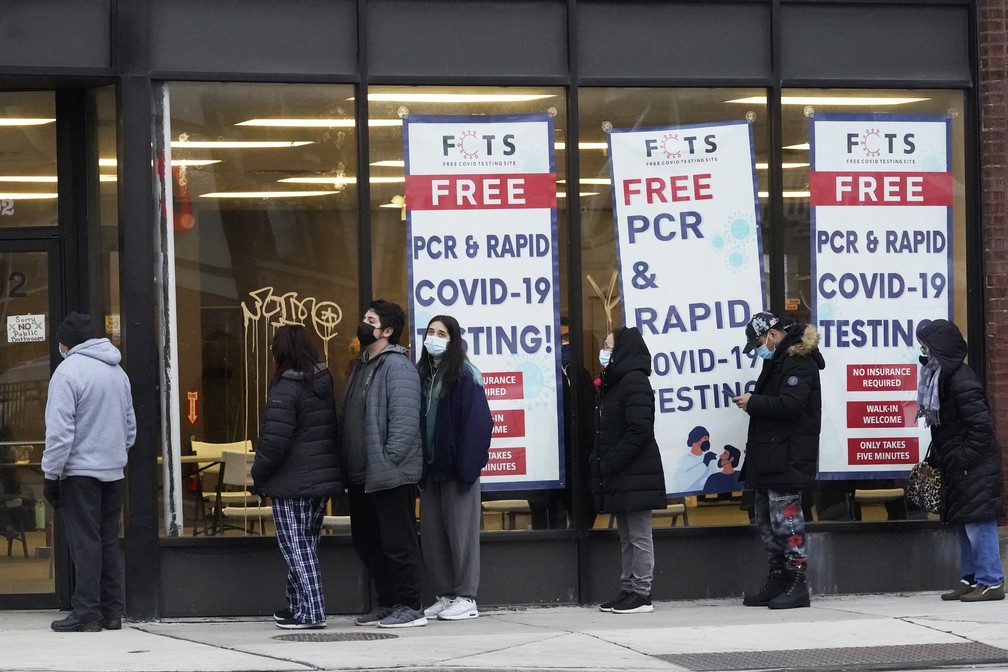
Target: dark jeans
x,y
90,519
384,532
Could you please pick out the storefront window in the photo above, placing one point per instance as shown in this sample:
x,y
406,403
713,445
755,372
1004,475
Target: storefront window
x,y
613,109
28,136
259,198
504,508
871,265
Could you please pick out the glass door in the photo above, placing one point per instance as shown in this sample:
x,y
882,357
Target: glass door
x,y
29,300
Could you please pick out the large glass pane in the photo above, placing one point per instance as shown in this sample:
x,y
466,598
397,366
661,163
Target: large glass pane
x,y
602,109
875,499
28,159
513,509
25,348
264,224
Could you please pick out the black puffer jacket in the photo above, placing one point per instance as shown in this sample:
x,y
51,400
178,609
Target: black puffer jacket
x,y
626,466
963,446
785,414
296,454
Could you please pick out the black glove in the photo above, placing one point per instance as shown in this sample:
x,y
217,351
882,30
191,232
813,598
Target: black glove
x,y
51,492
708,458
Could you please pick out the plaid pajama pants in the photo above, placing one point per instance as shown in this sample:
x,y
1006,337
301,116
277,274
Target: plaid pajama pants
x,y
298,525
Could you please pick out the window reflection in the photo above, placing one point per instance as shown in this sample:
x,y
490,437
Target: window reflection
x,y
28,167
264,219
527,509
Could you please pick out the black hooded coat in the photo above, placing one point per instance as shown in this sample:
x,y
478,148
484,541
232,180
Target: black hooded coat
x,y
626,466
963,446
296,454
785,415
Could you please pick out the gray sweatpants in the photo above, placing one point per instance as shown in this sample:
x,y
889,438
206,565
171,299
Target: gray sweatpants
x,y
449,536
636,551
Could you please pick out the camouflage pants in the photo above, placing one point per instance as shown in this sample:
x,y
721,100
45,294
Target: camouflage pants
x,y
781,525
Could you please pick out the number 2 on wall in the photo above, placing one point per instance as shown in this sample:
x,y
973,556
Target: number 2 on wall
x,y
7,207
15,284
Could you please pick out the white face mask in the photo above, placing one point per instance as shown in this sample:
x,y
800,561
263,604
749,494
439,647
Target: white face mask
x,y
64,353
435,345
604,356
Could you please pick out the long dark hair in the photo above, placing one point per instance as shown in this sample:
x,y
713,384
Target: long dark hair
x,y
293,350
452,361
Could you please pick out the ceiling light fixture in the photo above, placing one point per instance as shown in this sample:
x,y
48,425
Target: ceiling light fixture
x,y
24,121
343,180
112,163
839,101
456,97
803,147
390,164
787,194
27,178
785,165
582,145
22,196
317,123
266,194
238,144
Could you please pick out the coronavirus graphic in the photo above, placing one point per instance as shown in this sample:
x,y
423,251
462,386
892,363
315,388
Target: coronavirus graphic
x,y
468,145
670,146
871,142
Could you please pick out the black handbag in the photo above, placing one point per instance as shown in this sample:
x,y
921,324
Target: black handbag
x,y
924,489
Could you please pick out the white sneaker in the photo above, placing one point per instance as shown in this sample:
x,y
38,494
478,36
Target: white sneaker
x,y
460,609
443,602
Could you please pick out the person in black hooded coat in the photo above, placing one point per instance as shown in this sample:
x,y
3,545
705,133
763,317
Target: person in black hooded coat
x,y
627,476
297,466
782,449
963,448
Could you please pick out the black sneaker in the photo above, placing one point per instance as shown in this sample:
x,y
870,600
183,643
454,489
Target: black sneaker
x,y
282,615
73,624
294,624
607,606
373,617
634,603
964,587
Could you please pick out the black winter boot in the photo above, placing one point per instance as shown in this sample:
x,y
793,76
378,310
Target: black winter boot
x,y
795,594
775,584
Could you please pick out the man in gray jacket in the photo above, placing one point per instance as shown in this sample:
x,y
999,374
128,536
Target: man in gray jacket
x,y
383,461
89,427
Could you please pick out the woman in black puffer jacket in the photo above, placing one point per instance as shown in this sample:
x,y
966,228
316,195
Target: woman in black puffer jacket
x,y
297,467
951,400
627,476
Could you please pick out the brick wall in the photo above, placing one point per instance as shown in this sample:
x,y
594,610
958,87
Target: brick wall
x,y
993,101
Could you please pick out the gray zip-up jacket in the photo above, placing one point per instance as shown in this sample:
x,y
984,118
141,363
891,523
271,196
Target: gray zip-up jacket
x,y
89,417
393,446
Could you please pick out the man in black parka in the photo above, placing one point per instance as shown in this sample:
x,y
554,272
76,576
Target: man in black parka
x,y
951,401
782,449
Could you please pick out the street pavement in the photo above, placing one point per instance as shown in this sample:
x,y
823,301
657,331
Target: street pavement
x,y
862,632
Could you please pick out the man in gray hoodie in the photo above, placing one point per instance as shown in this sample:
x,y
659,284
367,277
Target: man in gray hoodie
x,y
383,462
89,427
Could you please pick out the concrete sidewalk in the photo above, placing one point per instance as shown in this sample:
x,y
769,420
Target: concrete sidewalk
x,y
905,632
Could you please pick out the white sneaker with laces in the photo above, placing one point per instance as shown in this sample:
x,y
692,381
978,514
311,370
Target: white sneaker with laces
x,y
460,609
443,602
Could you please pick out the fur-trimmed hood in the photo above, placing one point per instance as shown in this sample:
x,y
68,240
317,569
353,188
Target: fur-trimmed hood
x,y
802,340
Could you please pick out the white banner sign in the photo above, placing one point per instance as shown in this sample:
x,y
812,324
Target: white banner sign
x,y
482,236
689,255
25,328
881,196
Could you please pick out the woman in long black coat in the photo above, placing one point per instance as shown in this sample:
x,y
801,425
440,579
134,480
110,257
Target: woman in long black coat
x,y
951,400
627,476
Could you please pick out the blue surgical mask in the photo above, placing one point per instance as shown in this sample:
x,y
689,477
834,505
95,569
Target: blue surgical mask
x,y
764,352
435,346
63,353
604,356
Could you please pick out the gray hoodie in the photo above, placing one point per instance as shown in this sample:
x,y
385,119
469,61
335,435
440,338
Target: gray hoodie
x,y
89,415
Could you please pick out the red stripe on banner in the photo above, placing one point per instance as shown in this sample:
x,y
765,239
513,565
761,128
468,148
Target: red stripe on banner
x,y
505,462
881,377
483,192
504,385
897,450
880,188
879,414
508,423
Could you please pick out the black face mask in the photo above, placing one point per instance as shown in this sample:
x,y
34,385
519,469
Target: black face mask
x,y
365,334
705,446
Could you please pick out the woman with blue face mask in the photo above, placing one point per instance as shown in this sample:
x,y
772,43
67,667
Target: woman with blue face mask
x,y
456,427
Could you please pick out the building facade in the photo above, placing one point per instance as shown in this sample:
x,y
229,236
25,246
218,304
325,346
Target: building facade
x,y
194,172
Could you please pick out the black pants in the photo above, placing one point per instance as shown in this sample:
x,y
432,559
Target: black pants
x,y
90,520
384,532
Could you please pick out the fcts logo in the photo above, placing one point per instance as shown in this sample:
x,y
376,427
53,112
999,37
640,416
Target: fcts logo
x,y
873,142
469,145
674,145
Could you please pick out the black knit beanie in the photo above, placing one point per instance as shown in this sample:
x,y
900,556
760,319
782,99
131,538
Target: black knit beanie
x,y
75,329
